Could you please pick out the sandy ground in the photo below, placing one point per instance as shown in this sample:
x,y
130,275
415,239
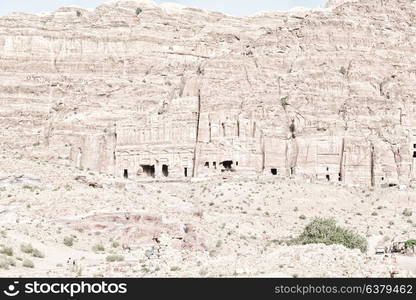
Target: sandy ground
x,y
221,227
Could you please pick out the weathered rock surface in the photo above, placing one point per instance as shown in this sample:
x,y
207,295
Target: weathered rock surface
x,y
21,179
235,227
136,89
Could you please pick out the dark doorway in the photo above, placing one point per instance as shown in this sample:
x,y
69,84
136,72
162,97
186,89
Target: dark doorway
x,y
339,177
414,154
292,171
207,164
186,172
149,170
165,170
227,164
274,172
292,129
126,173
328,178
214,164
236,163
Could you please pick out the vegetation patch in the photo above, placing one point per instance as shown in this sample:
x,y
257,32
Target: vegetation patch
x,y
68,241
98,248
6,262
6,250
114,258
28,263
410,243
28,249
407,212
326,231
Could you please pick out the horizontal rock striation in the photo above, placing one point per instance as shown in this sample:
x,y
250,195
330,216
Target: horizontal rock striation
x,y
140,90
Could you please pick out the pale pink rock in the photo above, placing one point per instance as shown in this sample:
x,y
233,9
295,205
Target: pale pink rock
x,y
140,90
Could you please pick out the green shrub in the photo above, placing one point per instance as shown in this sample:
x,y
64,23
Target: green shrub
x,y
326,231
98,248
68,241
31,188
407,212
6,262
6,251
28,264
410,243
28,248
37,253
114,257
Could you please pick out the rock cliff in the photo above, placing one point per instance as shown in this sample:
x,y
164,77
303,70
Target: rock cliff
x,y
136,89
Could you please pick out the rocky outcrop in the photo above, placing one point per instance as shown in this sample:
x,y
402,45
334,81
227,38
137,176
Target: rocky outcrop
x,y
136,89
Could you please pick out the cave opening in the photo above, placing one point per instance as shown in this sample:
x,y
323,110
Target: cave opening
x,y
328,178
214,164
274,172
414,154
149,170
126,174
185,172
206,164
228,164
165,170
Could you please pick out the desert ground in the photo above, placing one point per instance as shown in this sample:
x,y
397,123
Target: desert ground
x,y
60,221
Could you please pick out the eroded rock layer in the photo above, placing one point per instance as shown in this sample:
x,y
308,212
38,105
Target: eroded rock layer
x,y
139,90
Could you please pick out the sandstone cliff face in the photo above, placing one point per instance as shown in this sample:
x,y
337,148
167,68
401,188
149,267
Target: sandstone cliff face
x,y
136,89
